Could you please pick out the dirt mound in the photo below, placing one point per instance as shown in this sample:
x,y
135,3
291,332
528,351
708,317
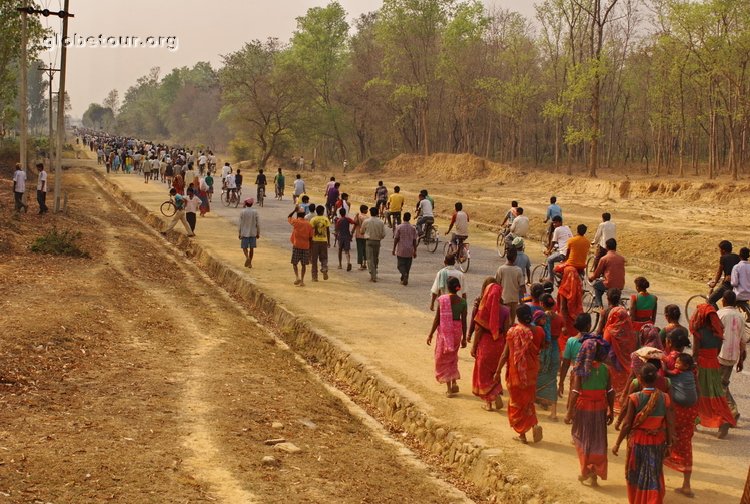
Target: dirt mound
x,y
371,165
449,167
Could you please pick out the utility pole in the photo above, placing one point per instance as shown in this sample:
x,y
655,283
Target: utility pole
x,y
65,14
50,74
24,89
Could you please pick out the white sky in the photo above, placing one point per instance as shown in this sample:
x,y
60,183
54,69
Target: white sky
x,y
205,31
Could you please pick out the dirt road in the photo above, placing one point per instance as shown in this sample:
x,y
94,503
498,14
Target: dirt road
x,y
131,377
398,350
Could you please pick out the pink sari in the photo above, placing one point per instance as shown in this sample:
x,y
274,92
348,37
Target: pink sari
x,y
448,342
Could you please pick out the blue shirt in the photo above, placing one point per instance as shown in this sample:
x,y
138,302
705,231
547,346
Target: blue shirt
x,y
553,210
179,201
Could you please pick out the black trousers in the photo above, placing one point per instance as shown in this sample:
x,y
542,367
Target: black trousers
x,y
404,266
190,216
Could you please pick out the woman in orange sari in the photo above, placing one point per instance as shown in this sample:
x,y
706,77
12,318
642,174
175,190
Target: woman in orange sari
x,y
708,336
521,354
570,303
490,323
618,332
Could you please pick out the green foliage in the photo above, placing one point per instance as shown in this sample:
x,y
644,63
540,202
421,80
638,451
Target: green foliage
x,y
240,149
59,243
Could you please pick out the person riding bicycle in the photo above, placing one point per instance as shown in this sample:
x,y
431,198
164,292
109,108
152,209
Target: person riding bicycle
x,y
740,278
381,197
511,214
332,196
553,210
238,181
722,281
424,214
460,220
230,185
604,232
260,181
519,228
560,237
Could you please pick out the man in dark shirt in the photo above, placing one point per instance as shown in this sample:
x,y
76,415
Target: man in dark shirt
x,y
238,181
260,181
722,281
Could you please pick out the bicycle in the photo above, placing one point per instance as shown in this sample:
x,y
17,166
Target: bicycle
x,y
695,300
231,197
261,195
460,252
502,247
168,208
279,192
429,237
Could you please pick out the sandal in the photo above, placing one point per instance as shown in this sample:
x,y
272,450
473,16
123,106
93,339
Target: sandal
x,y
498,403
520,439
455,388
687,493
487,406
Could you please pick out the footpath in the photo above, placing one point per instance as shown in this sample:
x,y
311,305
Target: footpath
x,y
373,346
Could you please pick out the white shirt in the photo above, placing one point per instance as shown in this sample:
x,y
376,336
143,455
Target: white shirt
x,y
192,205
299,186
425,208
735,335
202,160
42,179
19,177
461,226
561,235
741,280
226,170
520,226
229,182
604,232
452,273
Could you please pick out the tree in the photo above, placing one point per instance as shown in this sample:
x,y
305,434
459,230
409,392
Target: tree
x,y
112,101
257,96
98,117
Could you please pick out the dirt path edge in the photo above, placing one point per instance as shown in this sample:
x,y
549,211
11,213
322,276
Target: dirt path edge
x,y
471,459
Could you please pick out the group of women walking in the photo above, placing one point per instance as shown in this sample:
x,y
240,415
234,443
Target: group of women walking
x,y
626,369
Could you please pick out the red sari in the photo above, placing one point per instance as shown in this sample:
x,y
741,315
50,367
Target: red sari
x,y
644,472
490,320
571,290
524,343
618,331
681,454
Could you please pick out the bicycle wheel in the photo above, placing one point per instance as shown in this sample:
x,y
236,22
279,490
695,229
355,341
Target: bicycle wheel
x,y
500,244
463,259
543,236
261,196
447,249
432,245
168,209
589,268
225,198
539,272
692,302
236,199
589,306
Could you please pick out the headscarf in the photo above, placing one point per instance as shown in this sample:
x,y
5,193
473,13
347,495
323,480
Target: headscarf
x,y
706,313
488,315
592,346
649,336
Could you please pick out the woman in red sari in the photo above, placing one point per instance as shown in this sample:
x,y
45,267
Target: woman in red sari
x,y
491,321
521,354
649,428
570,303
618,332
708,336
450,323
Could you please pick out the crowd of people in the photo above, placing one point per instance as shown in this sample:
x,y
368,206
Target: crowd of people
x,y
533,338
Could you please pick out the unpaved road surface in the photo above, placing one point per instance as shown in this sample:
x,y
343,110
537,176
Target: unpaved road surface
x,y
131,377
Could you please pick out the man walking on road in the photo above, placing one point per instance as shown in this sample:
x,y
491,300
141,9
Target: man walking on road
x,y
511,279
440,285
249,231
19,187
179,215
405,247
41,189
733,351
299,187
374,231
320,242
302,233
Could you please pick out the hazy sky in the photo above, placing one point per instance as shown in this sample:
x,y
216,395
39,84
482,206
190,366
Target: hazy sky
x,y
204,29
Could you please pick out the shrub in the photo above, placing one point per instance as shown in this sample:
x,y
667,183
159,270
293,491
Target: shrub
x,y
59,243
